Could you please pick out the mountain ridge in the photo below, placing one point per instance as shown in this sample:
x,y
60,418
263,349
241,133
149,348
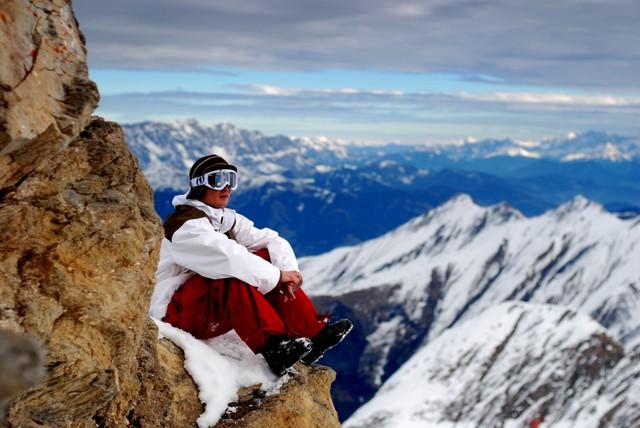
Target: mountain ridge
x,y
192,139
446,266
511,365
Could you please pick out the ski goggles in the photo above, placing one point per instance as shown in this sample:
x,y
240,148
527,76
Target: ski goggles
x,y
217,180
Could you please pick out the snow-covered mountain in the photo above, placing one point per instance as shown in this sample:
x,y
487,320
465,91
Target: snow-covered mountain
x,y
513,365
577,255
410,285
584,146
167,151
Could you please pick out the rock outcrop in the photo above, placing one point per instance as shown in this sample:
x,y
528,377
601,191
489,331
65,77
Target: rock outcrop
x,y
79,241
79,238
46,97
303,402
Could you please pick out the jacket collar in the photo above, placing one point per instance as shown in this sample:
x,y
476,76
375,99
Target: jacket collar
x,y
222,219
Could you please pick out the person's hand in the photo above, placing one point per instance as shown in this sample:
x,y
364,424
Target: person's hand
x,y
292,278
290,281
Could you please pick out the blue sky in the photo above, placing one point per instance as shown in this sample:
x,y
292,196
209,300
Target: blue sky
x,y
402,71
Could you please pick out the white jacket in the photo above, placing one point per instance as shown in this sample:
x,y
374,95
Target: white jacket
x,y
201,246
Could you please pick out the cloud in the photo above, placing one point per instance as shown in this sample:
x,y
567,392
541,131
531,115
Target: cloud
x,y
563,100
392,102
406,117
587,44
554,99
259,89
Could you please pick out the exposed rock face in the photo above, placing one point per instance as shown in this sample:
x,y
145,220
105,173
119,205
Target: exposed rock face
x,y
303,402
79,246
79,238
46,97
168,395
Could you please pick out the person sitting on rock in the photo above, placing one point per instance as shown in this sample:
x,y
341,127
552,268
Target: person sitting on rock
x,y
218,272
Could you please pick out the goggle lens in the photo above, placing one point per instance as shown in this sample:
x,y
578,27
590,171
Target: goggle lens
x,y
220,179
217,180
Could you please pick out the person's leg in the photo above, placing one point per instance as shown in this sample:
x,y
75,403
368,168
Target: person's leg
x,y
299,315
194,309
207,308
301,319
250,314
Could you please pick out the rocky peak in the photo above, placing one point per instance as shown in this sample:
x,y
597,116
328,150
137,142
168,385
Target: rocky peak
x,y
227,128
463,214
576,206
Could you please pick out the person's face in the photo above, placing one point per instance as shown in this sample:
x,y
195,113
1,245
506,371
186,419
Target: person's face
x,y
217,198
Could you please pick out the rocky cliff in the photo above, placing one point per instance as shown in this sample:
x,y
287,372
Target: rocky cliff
x,y
79,239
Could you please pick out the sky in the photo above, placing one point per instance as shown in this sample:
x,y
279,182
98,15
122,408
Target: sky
x,y
380,71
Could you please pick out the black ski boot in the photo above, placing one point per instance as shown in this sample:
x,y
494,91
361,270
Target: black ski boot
x,y
329,336
281,352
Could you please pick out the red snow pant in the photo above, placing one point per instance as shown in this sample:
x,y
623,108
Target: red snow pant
x,y
210,307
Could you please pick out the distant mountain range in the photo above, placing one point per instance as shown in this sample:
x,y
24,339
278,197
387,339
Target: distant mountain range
x,y
321,194
440,271
167,150
589,145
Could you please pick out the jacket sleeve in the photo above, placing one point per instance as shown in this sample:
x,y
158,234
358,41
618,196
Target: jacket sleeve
x,y
198,247
280,251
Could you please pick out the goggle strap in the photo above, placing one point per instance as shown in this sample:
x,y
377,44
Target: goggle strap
x,y
198,181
